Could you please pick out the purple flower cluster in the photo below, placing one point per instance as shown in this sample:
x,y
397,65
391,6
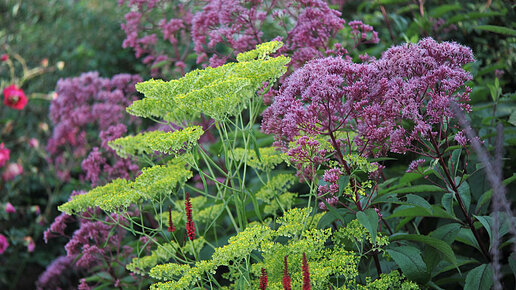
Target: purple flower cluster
x,y
328,191
54,275
220,29
84,104
410,84
143,37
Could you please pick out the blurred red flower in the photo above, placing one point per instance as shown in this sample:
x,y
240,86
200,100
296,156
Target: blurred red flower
x,y
4,57
14,97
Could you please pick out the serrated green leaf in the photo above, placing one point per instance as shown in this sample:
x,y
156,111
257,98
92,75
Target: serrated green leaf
x,y
369,219
446,233
409,260
480,278
447,202
418,201
465,194
435,243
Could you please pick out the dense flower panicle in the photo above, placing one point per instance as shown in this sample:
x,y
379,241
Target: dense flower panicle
x,y
14,97
363,33
373,101
4,244
85,101
190,226
263,279
51,278
57,227
4,154
329,190
306,274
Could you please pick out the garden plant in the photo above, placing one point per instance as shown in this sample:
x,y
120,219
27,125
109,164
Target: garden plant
x,y
260,144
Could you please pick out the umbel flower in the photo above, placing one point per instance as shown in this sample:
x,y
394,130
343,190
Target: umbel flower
x,y
14,97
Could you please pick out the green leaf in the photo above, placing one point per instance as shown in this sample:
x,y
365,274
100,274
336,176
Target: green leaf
x,y
486,196
465,194
423,212
343,182
486,221
435,243
447,202
418,201
443,9
369,219
497,29
479,278
446,233
455,160
512,263
512,119
466,236
254,145
341,214
409,260
417,188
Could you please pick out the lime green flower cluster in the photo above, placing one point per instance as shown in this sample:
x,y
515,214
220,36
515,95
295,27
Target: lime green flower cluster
x,y
275,195
269,158
162,254
118,195
355,234
329,265
218,92
164,142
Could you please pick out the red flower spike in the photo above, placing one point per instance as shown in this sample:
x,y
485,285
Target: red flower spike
x,y
190,226
14,97
263,280
306,274
171,226
286,277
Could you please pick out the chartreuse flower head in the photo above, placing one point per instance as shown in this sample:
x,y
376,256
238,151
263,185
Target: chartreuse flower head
x,y
269,157
165,142
218,92
119,194
297,236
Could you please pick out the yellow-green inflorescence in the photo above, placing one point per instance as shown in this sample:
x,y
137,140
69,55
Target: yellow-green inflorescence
x,y
330,263
269,158
218,92
164,142
275,193
119,194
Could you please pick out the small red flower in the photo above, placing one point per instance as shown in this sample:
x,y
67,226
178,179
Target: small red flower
x,y
286,276
306,274
14,97
263,280
190,226
171,227
4,57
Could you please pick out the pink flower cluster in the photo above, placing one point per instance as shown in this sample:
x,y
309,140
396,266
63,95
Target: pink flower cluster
x,y
91,102
410,84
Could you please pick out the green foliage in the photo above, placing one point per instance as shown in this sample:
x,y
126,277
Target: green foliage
x,y
269,158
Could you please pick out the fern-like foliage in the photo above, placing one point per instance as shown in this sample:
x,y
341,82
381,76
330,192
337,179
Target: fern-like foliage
x,y
216,92
119,194
164,142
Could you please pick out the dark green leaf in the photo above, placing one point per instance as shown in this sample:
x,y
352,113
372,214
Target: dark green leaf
x,y
497,29
437,244
479,278
447,203
343,182
446,233
369,219
465,194
410,262
421,211
418,201
512,263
